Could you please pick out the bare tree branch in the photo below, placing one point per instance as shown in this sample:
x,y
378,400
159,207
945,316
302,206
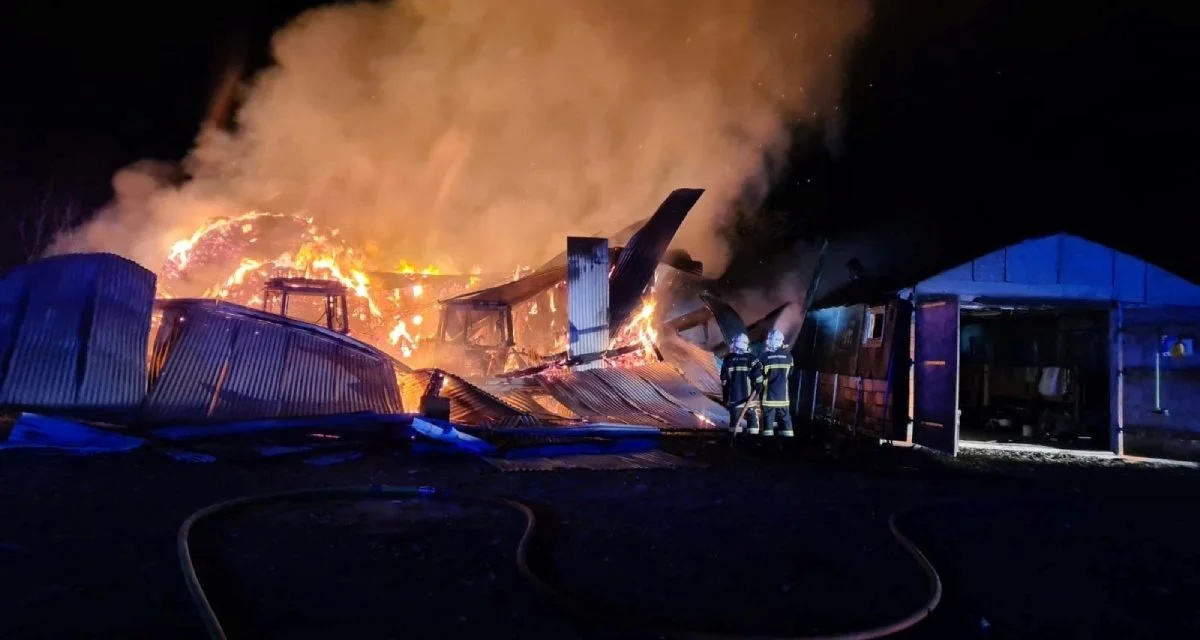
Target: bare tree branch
x,y
41,221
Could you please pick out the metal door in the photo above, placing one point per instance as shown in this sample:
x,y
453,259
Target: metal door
x,y
935,398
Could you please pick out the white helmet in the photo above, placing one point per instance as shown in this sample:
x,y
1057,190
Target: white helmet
x,y
741,343
774,340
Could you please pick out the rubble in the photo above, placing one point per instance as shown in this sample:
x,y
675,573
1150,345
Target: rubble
x,y
83,335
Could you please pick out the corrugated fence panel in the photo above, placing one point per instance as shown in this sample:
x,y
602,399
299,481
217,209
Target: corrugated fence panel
x,y
44,366
115,372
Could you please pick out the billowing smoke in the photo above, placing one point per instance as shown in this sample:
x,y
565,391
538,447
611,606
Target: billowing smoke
x,y
476,133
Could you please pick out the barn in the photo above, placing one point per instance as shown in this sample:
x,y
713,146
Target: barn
x,y
1056,341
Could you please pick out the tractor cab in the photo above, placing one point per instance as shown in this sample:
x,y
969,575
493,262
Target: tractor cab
x,y
478,334
319,302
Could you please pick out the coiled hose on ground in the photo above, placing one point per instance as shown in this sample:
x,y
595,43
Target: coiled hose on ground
x,y
217,632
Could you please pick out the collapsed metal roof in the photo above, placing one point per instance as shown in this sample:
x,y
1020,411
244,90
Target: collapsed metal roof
x,y
644,251
219,361
635,263
515,292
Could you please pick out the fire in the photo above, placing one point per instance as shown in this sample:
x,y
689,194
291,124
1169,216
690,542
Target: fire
x,y
405,267
640,330
180,253
232,258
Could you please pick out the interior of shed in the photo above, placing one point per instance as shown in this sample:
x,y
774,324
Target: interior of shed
x,y
1035,375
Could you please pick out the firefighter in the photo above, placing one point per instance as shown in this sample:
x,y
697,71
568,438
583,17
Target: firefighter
x,y
777,369
741,375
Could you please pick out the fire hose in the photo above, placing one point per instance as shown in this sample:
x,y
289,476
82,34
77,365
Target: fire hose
x,y
217,632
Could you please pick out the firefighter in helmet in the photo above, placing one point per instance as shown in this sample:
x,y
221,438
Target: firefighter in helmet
x,y
777,369
741,375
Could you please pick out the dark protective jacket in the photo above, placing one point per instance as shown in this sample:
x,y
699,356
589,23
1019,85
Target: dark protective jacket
x,y
741,373
777,367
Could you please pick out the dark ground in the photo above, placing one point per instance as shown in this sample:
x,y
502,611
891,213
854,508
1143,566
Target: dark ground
x,y
749,545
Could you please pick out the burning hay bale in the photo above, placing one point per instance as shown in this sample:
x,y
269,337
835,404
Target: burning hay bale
x,y
233,259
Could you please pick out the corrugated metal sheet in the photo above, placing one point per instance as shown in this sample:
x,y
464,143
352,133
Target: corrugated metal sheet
x,y
668,379
515,292
654,459
727,319
697,365
219,361
74,333
618,239
469,404
640,257
587,298
535,401
620,396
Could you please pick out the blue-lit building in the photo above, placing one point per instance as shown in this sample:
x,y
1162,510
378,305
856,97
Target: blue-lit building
x,y
1055,340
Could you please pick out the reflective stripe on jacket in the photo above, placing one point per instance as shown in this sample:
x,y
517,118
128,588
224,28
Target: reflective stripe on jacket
x,y
777,367
741,373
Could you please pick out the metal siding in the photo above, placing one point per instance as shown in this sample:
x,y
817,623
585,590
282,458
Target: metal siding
x,y
114,374
587,298
307,387
273,367
1033,261
13,291
251,388
44,364
185,387
1085,263
935,420
641,255
989,268
74,333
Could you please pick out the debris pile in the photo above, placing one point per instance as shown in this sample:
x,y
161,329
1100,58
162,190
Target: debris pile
x,y
265,318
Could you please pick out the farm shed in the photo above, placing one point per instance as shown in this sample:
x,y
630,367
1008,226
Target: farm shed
x,y
1054,340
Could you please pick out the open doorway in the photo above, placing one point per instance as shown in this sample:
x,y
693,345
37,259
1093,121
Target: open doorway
x,y
1035,375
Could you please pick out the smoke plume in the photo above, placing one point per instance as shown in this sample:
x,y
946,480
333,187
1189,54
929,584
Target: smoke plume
x,y
468,133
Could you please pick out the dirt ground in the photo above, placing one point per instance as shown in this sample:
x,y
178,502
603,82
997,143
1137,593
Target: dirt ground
x,y
757,543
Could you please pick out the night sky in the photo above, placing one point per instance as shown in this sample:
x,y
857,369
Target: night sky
x,y
984,119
